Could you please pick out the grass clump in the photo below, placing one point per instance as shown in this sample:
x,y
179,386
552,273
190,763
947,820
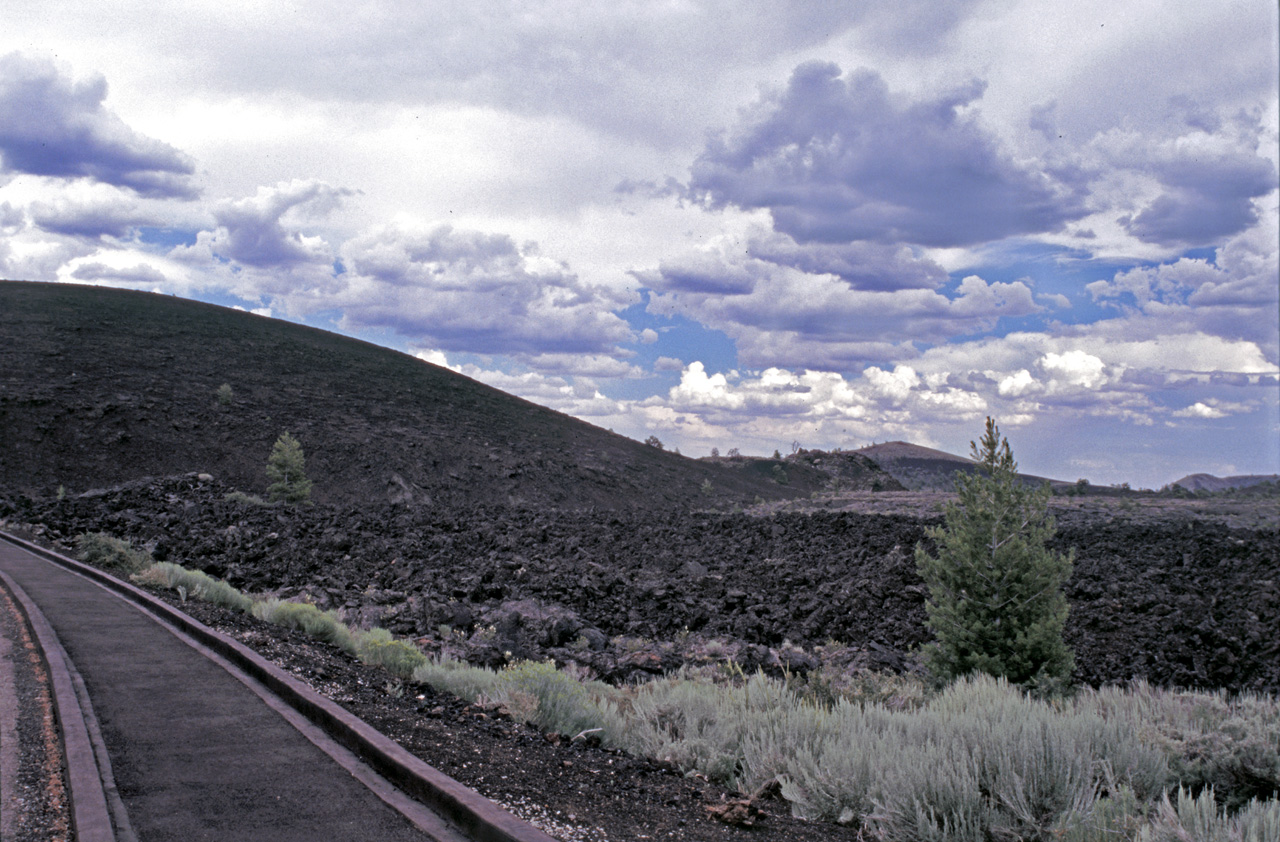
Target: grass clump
x,y
245,499
307,618
534,692
196,584
111,553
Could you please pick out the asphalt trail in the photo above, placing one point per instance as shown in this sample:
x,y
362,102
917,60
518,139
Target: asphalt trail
x,y
195,753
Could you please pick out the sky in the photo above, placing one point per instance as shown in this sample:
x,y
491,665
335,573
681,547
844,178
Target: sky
x,y
752,225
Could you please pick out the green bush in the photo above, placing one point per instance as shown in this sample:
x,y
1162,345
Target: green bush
x,y
564,705
378,648
460,679
111,553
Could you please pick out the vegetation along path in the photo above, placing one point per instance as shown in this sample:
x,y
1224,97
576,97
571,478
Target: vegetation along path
x,y
196,752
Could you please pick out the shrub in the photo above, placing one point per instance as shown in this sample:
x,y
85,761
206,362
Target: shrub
x,y
111,553
1213,742
224,394
286,468
564,705
996,603
1198,818
376,647
245,499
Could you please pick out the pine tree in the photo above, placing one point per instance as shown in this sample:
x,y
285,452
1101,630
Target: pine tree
x,y
996,601
286,468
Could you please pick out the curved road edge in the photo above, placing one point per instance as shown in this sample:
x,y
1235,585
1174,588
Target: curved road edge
x,y
472,813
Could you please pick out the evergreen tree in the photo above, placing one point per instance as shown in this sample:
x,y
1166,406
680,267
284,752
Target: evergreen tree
x,y
996,601
286,468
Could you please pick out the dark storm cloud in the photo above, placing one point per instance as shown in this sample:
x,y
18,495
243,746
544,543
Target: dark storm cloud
x,y
836,160
1205,199
53,126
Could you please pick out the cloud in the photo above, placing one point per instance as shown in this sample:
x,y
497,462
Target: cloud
x,y
93,211
1076,368
780,314
1236,295
51,125
835,160
137,275
1207,195
861,265
253,232
467,290
1200,410
1018,384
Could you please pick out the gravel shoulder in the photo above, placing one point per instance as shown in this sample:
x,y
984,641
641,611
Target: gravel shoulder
x,y
32,788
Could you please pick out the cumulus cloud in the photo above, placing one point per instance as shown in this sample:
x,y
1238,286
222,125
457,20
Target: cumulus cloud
x,y
1235,295
51,125
256,231
1076,368
93,211
1200,410
1207,183
1017,384
466,290
781,314
835,160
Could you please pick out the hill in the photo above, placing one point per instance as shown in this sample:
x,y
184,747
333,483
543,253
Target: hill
x,y
101,386
925,469
1210,483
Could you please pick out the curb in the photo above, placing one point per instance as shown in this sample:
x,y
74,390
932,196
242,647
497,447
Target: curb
x,y
472,813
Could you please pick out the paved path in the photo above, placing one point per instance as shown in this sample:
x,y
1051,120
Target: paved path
x,y
196,754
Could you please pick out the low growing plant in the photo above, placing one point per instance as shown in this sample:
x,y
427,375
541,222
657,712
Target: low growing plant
x,y
378,648
111,553
245,499
195,583
307,618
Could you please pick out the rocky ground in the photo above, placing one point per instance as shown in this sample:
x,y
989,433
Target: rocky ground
x,y
1178,595
1162,593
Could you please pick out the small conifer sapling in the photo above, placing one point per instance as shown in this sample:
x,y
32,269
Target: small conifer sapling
x,y
286,469
996,602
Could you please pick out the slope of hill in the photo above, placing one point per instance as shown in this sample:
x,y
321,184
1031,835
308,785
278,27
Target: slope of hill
x,y
1208,482
101,386
925,469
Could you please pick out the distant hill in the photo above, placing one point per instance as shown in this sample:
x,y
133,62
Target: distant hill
x,y
925,469
1208,482
101,386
